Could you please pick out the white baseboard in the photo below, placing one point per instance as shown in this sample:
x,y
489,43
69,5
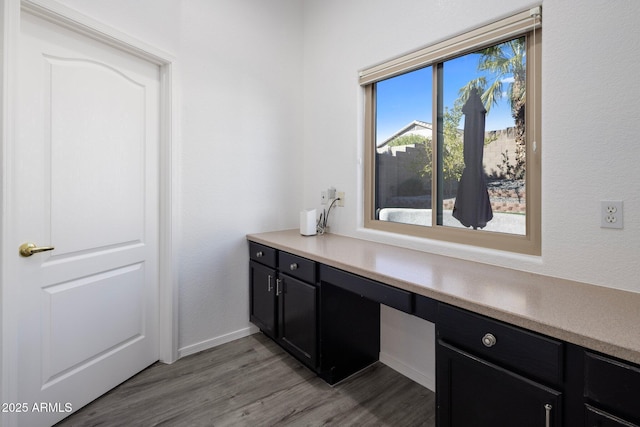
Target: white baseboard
x,y
425,380
216,341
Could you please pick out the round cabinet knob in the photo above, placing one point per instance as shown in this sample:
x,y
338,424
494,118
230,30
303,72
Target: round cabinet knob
x,y
259,254
293,266
489,340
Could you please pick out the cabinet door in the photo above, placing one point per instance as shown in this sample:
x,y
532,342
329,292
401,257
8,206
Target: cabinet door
x,y
612,385
262,313
473,392
298,318
597,418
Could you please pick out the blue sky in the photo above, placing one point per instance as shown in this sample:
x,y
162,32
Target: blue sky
x,y
405,98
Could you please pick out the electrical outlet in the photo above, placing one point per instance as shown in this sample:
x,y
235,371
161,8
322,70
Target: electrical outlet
x,y
323,197
340,196
611,214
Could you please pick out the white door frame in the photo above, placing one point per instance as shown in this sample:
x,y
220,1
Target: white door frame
x,y
168,242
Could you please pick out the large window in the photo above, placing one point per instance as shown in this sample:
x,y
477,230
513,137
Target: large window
x,y
453,139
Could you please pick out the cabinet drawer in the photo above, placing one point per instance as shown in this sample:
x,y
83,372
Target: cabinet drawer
x,y
613,385
301,268
525,352
262,254
375,291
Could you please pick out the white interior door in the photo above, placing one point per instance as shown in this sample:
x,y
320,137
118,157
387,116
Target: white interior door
x,y
86,183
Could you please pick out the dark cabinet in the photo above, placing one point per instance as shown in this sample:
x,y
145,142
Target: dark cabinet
x,y
263,298
298,308
474,392
597,418
488,373
521,351
262,289
284,300
326,318
349,326
611,391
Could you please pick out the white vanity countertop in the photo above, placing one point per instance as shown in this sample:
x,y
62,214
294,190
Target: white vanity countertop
x,y
602,319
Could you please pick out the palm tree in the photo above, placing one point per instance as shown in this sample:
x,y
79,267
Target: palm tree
x,y
506,64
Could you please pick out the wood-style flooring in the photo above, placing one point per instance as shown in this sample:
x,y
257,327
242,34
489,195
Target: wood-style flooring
x,y
253,382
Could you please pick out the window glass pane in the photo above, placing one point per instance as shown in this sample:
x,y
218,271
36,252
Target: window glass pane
x,y
415,170
482,170
403,171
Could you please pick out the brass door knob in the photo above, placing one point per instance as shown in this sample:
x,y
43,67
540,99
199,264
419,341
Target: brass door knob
x,y
28,249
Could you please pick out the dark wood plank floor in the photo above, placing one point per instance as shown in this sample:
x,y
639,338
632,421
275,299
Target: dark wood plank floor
x,y
253,382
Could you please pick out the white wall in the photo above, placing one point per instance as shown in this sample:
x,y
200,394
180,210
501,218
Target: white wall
x,y
240,81
241,76
277,80
591,99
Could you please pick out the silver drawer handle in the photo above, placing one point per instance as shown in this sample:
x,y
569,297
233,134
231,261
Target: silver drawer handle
x,y
489,340
269,285
259,254
293,266
547,416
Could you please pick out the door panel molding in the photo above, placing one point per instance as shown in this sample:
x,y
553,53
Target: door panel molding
x,y
168,232
120,292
